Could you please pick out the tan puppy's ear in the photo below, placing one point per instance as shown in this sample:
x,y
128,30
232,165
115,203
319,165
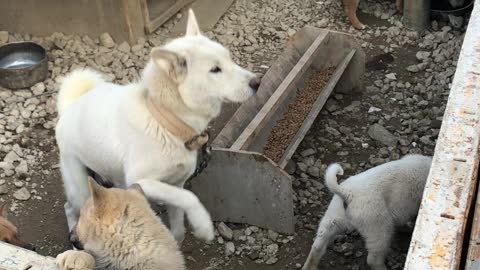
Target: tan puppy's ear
x,y
137,188
168,61
98,194
3,210
192,24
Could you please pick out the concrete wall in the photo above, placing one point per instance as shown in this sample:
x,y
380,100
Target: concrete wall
x,y
123,19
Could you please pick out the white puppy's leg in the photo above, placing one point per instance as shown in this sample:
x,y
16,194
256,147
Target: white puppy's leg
x,y
74,176
377,229
333,222
184,199
176,218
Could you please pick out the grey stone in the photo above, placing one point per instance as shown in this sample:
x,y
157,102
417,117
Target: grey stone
x,y
291,167
18,183
271,261
272,249
322,23
391,76
314,171
106,40
344,248
11,157
124,47
302,166
3,189
22,168
3,37
272,235
229,248
22,194
308,152
38,88
381,134
225,231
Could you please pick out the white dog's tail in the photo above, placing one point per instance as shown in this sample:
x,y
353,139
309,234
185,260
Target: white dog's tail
x,y
332,182
76,84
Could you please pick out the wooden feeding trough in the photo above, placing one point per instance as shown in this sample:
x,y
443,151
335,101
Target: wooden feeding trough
x,y
245,181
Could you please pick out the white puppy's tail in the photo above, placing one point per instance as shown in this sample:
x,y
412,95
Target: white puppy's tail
x,y
76,84
332,182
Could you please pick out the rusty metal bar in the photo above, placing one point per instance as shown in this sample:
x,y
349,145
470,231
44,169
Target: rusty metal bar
x,y
447,200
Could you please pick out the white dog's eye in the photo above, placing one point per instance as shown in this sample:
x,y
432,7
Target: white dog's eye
x,y
216,69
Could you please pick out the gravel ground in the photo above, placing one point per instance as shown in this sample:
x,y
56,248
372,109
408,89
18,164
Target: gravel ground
x,y
400,111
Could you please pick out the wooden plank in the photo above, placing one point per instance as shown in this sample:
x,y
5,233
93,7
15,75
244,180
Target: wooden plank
x,y
317,107
15,258
246,187
278,97
146,14
208,13
158,21
438,237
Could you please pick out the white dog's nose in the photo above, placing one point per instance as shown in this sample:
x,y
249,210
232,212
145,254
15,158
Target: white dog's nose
x,y
254,84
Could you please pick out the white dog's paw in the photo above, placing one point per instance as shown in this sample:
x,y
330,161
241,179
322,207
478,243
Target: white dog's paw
x,y
202,225
205,232
75,260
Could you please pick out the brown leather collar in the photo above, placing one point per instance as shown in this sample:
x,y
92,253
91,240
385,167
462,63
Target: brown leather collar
x,y
177,127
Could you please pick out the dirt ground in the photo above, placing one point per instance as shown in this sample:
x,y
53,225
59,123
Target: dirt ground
x,y
42,222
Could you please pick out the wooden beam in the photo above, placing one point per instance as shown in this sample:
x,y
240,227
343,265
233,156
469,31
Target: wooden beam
x,y
439,232
154,23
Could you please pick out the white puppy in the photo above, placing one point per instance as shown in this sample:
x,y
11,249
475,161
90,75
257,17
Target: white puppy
x,y
138,133
374,203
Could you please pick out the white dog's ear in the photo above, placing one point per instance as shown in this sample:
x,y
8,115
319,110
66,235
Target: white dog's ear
x,y
168,61
192,24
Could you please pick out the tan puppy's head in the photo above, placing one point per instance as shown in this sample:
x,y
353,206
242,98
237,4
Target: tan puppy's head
x,y
104,212
8,232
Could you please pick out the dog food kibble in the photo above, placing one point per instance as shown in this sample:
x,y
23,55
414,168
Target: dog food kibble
x,y
286,128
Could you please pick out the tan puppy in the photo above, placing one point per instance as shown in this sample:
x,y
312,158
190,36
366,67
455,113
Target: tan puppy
x,y
8,231
121,231
351,11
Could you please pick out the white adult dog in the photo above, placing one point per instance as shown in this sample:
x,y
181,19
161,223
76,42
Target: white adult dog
x,y
138,133
374,203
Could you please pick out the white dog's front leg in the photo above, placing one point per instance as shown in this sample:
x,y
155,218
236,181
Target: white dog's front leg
x,y
184,199
74,176
72,215
176,218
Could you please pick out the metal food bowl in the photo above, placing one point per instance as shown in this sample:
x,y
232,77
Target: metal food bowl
x,y
442,8
22,65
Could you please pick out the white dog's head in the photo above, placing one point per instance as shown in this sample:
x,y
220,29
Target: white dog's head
x,y
202,70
